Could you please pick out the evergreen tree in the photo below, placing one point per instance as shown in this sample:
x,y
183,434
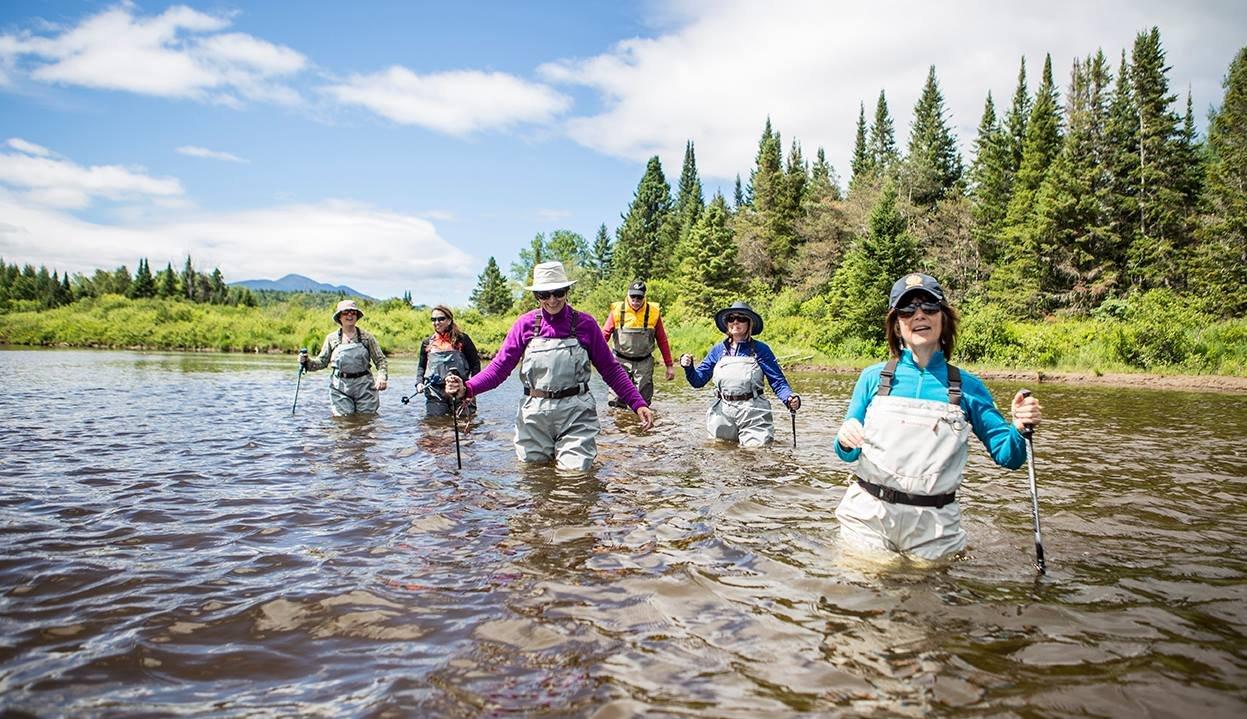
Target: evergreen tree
x,y
859,289
167,285
862,163
766,179
600,255
647,235
990,180
1015,121
738,196
189,284
530,257
932,164
1078,250
1017,282
1156,254
823,181
219,294
1223,251
492,296
121,281
689,201
144,284
883,154
709,270
1122,163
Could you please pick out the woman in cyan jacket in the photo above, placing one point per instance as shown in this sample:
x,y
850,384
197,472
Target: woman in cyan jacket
x,y
907,429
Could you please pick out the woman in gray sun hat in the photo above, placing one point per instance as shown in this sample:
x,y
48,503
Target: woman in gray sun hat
x,y
554,346
738,366
349,350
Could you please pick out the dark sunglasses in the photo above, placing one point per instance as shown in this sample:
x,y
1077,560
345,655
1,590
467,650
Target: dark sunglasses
x,y
561,292
737,318
439,319
909,310
348,313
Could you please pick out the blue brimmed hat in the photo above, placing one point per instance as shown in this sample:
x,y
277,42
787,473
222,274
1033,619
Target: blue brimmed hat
x,y
914,282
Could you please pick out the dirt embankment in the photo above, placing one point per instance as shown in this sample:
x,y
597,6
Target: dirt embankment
x,y
1199,382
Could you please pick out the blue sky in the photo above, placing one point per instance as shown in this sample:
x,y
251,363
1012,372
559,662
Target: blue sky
x,y
395,146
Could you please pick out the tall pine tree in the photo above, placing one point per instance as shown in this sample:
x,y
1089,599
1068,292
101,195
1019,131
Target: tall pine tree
x,y
862,163
492,296
883,153
990,180
689,201
932,164
647,236
709,271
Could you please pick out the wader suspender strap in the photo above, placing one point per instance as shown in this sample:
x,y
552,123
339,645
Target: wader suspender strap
x,y
575,326
889,371
645,322
885,379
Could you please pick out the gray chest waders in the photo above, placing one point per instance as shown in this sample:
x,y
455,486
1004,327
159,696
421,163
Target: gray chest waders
x,y
740,412
558,417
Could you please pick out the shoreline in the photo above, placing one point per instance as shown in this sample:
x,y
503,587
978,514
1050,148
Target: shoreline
x,y
1230,384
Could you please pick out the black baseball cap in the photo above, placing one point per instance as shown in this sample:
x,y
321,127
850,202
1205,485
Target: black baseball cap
x,y
914,282
636,289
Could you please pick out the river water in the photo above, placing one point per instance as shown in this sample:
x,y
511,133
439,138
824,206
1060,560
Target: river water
x,y
176,542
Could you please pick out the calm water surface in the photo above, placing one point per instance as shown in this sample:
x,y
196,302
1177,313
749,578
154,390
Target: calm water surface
x,y
175,542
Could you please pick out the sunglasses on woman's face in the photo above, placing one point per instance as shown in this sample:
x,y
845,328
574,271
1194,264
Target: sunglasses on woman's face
x,y
350,313
436,318
561,292
737,318
909,310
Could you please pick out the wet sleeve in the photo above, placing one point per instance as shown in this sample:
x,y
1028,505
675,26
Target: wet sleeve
x,y
1003,441
660,335
505,361
863,392
698,376
378,358
770,368
321,360
604,360
424,360
471,355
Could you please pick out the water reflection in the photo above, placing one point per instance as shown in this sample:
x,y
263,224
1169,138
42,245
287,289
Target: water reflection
x,y
177,542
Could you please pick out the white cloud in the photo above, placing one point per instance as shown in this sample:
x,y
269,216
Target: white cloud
x,y
29,148
550,214
456,103
179,53
726,66
377,252
205,153
48,180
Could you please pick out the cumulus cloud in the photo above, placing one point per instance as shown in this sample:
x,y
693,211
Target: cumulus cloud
x,y
179,53
205,153
46,179
375,251
456,103
718,70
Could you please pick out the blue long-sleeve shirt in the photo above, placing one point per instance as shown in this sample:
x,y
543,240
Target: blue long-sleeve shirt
x,y
1003,441
698,376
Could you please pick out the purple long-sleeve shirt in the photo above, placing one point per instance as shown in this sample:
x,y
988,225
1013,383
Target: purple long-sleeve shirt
x,y
557,326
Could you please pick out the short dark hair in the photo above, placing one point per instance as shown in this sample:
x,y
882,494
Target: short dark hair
x,y
948,332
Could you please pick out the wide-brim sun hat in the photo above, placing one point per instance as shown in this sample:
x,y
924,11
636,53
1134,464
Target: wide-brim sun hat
x,y
739,308
549,276
914,282
343,306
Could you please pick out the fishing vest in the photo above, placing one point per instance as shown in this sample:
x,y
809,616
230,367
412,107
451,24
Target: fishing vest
x,y
554,368
738,378
916,446
350,359
635,334
441,357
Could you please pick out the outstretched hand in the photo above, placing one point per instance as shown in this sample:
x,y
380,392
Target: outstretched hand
x,y
686,360
670,373
794,403
647,417
455,387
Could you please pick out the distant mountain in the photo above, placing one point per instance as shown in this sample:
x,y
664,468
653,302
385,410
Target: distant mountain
x,y
299,283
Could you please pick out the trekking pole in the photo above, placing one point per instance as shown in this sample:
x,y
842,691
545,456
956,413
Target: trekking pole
x,y
1028,432
793,412
454,418
298,382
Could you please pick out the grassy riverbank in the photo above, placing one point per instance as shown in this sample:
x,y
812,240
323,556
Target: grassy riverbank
x,y
1157,335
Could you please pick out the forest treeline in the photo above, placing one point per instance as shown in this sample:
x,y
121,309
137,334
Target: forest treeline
x,y
26,288
1092,227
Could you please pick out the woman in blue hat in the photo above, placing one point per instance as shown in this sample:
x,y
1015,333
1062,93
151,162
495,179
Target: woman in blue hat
x,y
740,412
907,429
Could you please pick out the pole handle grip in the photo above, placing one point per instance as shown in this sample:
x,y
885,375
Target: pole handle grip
x,y
1028,430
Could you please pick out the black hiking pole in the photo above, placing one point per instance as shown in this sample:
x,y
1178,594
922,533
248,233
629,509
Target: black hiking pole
x,y
298,382
454,418
1028,432
793,412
